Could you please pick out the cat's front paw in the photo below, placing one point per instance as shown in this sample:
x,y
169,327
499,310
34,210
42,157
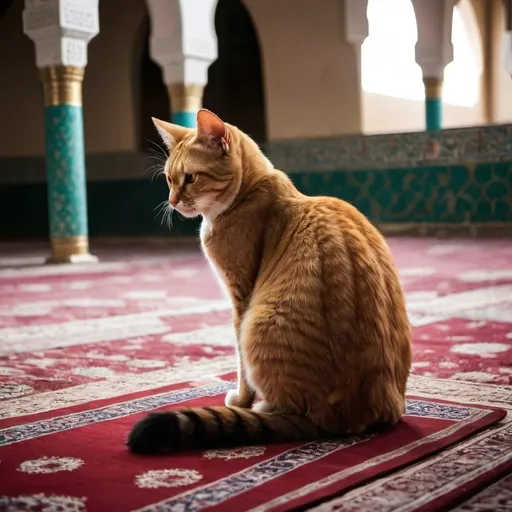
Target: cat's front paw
x,y
234,400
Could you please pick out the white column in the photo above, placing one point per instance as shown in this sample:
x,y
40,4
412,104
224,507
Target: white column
x,y
61,30
355,22
184,44
434,51
507,4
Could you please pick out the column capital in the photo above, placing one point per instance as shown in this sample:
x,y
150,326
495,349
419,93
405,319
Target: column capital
x,y
61,30
356,21
183,39
434,49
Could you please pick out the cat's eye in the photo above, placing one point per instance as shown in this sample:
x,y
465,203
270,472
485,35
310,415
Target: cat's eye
x,y
190,178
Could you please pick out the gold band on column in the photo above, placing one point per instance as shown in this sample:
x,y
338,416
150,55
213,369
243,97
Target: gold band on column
x,y
186,97
433,87
62,85
74,249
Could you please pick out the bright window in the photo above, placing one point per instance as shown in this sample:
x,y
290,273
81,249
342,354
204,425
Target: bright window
x,y
388,64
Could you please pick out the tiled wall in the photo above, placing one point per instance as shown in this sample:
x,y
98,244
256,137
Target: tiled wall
x,y
448,194
451,177
390,151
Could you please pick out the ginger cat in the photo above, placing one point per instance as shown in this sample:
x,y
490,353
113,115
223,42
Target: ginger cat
x,y
322,330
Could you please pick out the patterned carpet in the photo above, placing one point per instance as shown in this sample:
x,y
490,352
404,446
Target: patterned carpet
x,y
85,351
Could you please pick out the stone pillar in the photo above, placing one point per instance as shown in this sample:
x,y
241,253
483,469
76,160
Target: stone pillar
x,y
61,30
184,44
355,24
507,4
434,51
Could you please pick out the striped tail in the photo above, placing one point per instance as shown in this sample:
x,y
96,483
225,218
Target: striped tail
x,y
217,427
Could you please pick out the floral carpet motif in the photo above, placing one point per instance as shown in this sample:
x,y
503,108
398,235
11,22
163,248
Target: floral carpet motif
x,y
86,350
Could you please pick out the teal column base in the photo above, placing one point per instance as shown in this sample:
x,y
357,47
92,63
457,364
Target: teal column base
x,y
186,119
65,169
434,113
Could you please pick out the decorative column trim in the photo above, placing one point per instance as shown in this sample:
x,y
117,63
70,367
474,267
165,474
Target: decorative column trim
x,y
433,102
186,100
62,85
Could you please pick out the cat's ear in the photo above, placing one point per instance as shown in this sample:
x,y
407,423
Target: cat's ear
x,y
171,133
212,129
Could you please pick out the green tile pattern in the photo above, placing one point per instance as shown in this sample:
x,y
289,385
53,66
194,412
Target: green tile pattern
x,y
443,194
459,176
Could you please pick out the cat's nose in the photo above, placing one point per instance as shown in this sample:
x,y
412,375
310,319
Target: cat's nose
x,y
174,201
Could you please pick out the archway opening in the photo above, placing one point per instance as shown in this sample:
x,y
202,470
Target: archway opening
x,y
392,81
235,89
152,98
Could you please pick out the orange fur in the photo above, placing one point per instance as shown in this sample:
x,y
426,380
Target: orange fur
x,y
319,314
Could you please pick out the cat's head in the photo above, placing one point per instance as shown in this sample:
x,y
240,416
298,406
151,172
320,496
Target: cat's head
x,y
204,170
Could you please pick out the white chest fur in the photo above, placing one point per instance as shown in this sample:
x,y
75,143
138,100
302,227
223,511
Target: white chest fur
x,y
205,233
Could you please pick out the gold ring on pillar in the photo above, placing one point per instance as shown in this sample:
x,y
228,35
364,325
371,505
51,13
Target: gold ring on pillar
x,y
62,85
433,87
186,97
73,249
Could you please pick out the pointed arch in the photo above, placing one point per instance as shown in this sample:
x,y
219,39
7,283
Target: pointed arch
x,y
235,89
389,72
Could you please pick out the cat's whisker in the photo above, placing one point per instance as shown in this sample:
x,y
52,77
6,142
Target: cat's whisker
x,y
160,148
167,216
156,170
156,155
165,211
160,206
159,163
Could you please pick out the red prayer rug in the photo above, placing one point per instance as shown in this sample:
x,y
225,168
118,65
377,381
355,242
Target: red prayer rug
x,y
75,458
85,350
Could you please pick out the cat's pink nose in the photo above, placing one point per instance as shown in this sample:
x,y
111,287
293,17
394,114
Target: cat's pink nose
x,y
174,201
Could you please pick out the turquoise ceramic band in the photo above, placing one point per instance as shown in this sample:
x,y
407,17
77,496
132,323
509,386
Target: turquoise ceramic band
x,y
434,113
187,119
65,168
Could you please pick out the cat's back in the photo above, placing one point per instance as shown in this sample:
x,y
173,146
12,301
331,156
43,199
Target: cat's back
x,y
337,247
335,224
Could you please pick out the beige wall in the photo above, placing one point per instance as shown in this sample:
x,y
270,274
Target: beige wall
x,y
312,86
110,121
21,98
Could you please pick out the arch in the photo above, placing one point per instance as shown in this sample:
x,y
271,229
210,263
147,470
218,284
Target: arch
x,y
151,97
389,70
467,65
235,89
